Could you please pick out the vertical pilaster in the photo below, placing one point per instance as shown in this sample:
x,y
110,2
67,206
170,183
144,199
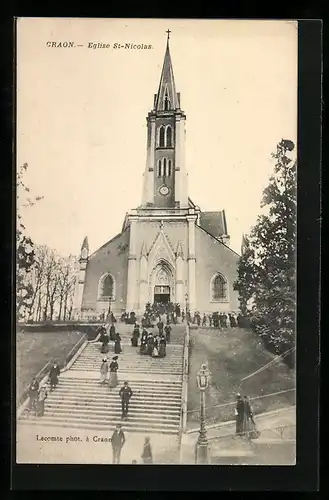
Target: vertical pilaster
x,y
180,281
143,283
191,264
132,260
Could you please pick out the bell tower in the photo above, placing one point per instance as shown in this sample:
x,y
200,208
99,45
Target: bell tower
x,y
165,177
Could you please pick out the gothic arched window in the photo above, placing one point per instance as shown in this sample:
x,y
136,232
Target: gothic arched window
x,y
164,167
162,137
169,137
169,168
106,287
218,288
159,168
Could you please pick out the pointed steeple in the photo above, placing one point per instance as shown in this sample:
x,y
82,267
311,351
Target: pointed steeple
x,y
85,244
84,249
167,98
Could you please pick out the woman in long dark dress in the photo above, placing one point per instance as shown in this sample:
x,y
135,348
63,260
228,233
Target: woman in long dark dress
x,y
117,344
239,414
105,343
135,336
147,452
168,332
42,396
143,346
162,346
248,418
150,343
112,332
53,375
33,394
156,345
114,366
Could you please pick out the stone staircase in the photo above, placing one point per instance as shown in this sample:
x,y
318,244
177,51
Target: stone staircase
x,y
79,401
130,361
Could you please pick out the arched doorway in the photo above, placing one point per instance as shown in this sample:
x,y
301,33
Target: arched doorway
x,y
162,284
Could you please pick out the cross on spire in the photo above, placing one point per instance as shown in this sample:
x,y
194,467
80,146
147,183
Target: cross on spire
x,y
168,34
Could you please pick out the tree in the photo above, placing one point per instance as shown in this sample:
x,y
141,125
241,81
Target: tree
x,y
24,247
247,276
267,268
53,280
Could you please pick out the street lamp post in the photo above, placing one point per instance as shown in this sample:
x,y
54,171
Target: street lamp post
x,y
201,452
109,310
186,300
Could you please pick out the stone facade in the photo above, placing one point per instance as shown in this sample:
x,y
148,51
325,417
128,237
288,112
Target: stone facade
x,y
168,250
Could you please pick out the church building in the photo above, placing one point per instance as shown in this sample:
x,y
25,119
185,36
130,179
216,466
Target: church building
x,y
168,250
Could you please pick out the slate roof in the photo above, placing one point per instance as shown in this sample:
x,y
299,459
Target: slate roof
x,y
214,223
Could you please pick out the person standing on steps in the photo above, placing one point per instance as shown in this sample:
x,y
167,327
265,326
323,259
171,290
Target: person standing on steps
x,y
118,440
53,375
150,344
42,396
117,344
239,414
105,343
168,332
125,395
113,380
112,332
162,346
147,452
160,326
33,394
104,371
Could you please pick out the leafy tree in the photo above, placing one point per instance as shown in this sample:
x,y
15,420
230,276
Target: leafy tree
x,y
24,247
267,267
247,275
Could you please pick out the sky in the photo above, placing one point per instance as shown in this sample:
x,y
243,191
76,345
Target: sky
x,y
81,118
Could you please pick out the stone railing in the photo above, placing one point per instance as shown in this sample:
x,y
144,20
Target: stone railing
x,y
74,350
39,376
42,374
183,421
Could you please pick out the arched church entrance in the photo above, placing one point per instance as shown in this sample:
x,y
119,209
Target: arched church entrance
x,y
162,284
161,294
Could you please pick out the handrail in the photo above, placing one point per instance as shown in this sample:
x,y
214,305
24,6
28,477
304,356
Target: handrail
x,y
74,350
185,380
231,403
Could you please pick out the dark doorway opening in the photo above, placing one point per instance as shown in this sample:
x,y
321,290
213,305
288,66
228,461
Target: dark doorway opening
x,y
162,295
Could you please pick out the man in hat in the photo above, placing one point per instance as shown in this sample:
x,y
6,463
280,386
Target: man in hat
x,y
125,395
118,440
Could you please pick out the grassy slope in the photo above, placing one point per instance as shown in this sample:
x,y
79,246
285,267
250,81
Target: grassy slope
x,y
34,350
231,355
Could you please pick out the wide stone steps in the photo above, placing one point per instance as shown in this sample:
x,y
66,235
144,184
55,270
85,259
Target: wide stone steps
x,y
81,402
130,360
85,403
100,408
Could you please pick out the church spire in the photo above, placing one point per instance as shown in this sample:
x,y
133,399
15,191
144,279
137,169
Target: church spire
x,y
167,98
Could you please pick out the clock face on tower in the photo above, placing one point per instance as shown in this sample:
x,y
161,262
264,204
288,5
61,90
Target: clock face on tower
x,y
164,190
